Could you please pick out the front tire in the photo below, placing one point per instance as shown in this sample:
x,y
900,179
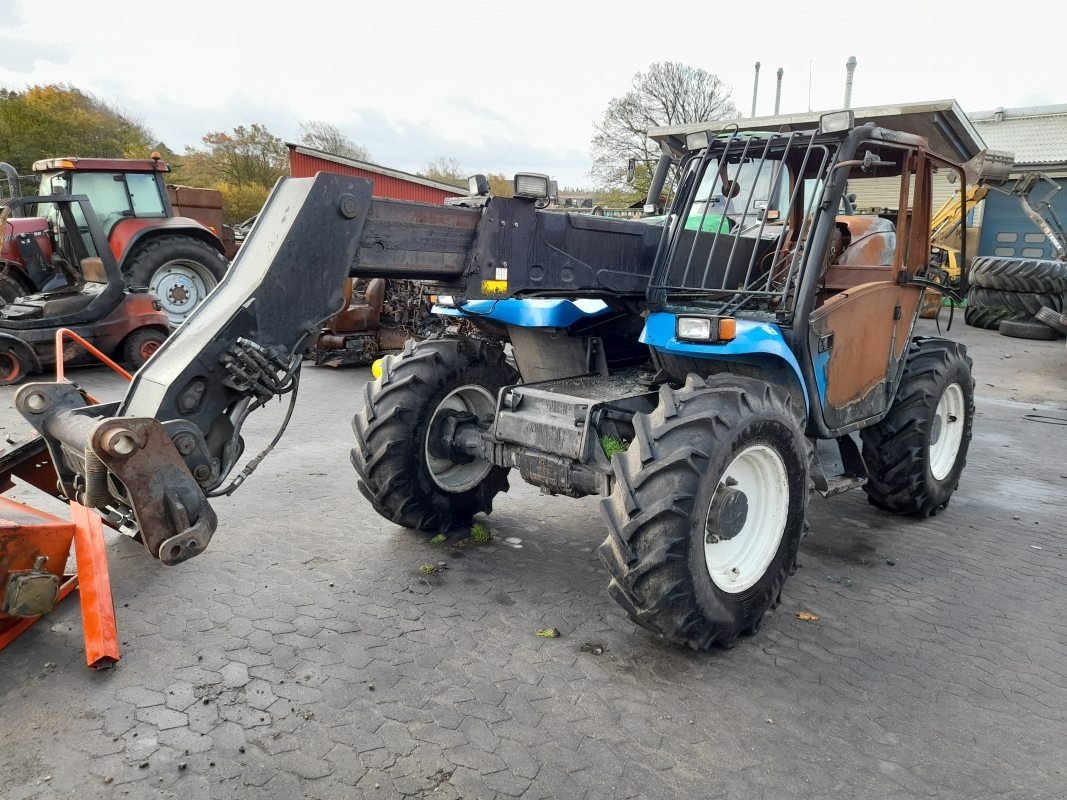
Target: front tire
x,y
179,270
405,480
916,454
707,511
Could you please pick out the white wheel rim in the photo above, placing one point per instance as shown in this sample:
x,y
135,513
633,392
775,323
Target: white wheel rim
x,y
447,474
947,434
737,564
180,286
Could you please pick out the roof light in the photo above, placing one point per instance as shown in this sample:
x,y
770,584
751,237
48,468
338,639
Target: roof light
x,y
837,121
477,185
705,329
697,140
531,184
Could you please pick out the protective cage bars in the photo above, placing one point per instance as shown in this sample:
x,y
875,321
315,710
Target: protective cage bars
x,y
731,239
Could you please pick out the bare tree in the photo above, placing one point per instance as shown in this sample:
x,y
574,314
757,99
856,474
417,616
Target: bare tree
x,y
445,170
331,139
666,93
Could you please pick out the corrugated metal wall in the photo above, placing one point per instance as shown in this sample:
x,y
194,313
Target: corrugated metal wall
x,y
1007,231
302,165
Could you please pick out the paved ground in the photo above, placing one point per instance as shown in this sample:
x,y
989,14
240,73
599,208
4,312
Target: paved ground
x,y
303,656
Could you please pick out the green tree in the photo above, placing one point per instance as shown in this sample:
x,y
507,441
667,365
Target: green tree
x,y
331,139
61,120
667,93
251,155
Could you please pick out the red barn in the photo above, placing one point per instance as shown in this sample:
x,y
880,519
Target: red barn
x,y
305,161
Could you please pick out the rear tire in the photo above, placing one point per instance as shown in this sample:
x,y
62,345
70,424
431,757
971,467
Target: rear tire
x,y
12,287
1027,329
13,366
1019,274
673,491
916,454
396,472
180,270
142,345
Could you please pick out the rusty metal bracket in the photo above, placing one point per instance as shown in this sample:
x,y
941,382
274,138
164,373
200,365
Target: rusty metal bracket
x,y
174,517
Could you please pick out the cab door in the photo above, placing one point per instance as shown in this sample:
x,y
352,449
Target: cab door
x,y
859,335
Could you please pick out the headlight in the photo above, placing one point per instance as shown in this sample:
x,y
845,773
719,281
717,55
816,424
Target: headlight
x,y
478,185
705,329
696,141
531,184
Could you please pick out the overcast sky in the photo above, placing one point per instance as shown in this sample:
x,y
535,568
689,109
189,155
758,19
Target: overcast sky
x,y
506,86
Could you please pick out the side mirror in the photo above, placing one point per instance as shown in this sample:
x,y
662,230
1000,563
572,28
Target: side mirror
x,y
631,170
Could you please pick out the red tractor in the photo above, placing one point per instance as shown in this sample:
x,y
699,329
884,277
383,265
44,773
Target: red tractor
x,y
177,258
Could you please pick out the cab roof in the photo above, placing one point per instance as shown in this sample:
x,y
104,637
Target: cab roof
x,y
942,123
100,164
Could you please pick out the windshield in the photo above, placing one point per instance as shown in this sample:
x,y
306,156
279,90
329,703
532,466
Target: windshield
x,y
113,195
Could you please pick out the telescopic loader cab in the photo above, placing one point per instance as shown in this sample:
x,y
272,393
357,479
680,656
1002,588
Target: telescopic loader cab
x,y
701,376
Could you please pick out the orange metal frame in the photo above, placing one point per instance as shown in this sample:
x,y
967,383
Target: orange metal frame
x,y
99,628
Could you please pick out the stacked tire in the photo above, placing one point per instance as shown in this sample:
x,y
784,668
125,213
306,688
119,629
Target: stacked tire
x,y
1007,293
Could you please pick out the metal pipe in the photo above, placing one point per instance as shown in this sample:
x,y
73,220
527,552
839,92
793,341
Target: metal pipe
x,y
755,90
778,91
850,66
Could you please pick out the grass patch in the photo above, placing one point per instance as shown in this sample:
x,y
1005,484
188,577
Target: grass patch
x,y
427,569
613,445
439,539
480,533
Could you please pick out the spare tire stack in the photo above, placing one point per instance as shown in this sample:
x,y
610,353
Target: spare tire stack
x,y
1005,294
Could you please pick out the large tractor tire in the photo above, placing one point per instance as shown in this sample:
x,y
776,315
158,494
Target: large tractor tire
x,y
399,471
707,511
1019,274
916,454
179,270
984,317
1024,304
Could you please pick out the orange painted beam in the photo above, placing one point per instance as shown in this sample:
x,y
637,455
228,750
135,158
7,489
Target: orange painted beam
x,y
98,609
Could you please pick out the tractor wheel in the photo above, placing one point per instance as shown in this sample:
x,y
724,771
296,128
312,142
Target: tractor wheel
x,y
916,453
12,286
1027,329
1019,274
398,470
141,345
179,270
1024,304
13,366
707,510
987,318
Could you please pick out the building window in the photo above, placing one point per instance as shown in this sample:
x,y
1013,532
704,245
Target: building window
x,y
1034,238
1033,252
1004,251
1007,237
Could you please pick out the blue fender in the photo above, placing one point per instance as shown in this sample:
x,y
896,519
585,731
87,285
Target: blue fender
x,y
762,339
533,313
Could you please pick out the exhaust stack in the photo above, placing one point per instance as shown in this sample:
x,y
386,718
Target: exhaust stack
x,y
850,65
778,91
755,90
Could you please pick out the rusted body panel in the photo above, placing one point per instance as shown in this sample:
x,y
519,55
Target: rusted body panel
x,y
27,535
859,338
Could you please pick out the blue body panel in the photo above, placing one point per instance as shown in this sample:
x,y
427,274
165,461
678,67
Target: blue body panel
x,y
753,338
532,313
